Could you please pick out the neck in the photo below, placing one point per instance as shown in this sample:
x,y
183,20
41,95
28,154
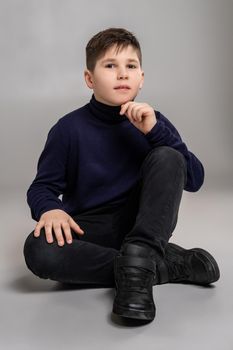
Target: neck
x,y
108,114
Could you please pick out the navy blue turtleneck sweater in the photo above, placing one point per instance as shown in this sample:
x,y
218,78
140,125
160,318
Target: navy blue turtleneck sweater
x,y
92,156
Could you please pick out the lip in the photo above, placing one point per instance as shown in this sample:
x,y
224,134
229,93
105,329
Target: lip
x,y
126,87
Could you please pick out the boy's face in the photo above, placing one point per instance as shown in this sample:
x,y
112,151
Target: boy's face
x,y
113,70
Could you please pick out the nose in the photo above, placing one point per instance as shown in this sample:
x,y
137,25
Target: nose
x,y
122,73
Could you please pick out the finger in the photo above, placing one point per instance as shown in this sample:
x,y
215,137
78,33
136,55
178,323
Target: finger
x,y
136,111
58,233
48,232
39,225
140,113
125,111
129,113
75,227
124,108
67,232
122,111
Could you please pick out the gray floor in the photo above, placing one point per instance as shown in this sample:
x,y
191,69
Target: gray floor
x,y
38,313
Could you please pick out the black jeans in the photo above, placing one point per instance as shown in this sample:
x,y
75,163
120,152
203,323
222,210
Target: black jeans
x,y
149,216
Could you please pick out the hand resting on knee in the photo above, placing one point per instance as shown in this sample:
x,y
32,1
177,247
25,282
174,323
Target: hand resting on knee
x,y
57,220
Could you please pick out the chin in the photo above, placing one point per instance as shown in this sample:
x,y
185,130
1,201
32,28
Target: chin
x,y
125,99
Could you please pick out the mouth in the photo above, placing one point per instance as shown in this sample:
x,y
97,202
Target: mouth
x,y
122,87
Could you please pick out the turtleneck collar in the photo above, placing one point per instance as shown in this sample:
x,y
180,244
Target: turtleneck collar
x,y
108,114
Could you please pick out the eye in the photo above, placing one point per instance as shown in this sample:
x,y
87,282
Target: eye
x,y
111,64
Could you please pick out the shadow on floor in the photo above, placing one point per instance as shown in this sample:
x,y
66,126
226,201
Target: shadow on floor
x,y
34,284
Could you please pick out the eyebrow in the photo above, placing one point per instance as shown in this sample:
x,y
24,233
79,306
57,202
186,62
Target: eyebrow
x,y
113,59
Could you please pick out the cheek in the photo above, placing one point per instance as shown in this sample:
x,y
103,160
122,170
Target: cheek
x,y
104,80
136,80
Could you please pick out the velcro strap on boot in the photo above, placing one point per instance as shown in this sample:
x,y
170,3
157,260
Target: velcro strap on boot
x,y
135,261
162,275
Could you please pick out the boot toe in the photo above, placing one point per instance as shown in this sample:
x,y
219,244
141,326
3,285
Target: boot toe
x,y
205,267
195,266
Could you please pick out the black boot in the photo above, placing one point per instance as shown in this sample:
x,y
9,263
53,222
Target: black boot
x,y
194,266
135,270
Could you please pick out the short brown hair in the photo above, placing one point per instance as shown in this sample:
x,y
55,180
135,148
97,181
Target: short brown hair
x,y
102,41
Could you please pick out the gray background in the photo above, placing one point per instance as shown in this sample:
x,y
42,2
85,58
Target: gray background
x,y
187,53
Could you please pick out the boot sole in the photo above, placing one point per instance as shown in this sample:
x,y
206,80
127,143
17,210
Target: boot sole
x,y
133,313
213,271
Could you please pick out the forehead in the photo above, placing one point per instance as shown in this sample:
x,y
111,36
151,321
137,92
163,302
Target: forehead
x,y
115,52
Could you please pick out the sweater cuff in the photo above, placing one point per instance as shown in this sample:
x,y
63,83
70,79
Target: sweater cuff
x,y
153,132
158,135
36,215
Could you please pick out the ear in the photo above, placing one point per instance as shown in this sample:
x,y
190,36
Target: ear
x,y
142,81
88,78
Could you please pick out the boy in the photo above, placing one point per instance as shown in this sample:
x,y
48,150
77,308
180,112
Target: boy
x,y
121,167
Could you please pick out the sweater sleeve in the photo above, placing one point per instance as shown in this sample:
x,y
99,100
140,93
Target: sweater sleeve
x,y
165,134
50,180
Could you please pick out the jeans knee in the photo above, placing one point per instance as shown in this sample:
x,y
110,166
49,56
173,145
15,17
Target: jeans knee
x,y
38,255
167,158
167,155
